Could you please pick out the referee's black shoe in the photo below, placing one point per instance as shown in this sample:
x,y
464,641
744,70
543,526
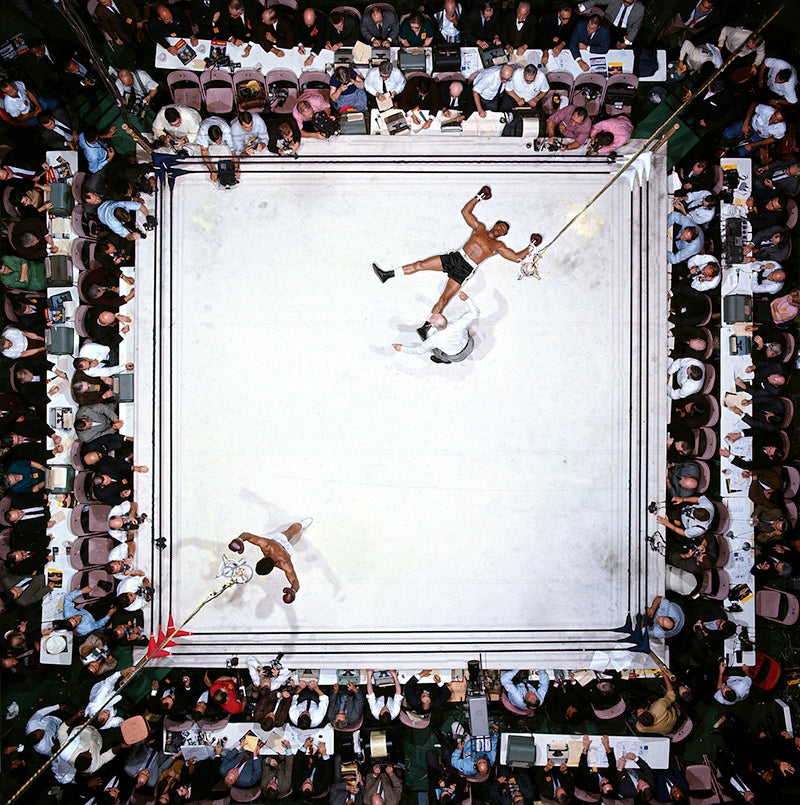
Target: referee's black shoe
x,y
423,331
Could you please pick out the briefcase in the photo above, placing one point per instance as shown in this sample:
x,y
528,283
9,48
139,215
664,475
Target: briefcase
x,y
353,123
446,58
492,56
412,59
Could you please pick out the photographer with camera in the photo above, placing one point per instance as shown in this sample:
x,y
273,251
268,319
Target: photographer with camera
x,y
175,126
569,123
215,144
138,90
313,115
249,134
120,218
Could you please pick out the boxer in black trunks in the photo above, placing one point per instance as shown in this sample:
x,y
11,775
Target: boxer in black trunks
x,y
459,265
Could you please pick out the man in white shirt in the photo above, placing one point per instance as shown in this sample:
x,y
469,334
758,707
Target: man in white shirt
x,y
122,515
696,517
762,125
449,342
489,86
704,272
21,104
384,708
249,134
93,360
733,689
699,205
309,706
781,79
448,20
384,81
83,754
136,87
42,728
528,86
107,717
767,277
176,125
686,377
732,38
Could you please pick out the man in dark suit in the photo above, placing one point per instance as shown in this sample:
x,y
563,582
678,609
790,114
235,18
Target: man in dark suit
x,y
455,101
342,31
310,28
694,17
554,782
624,18
274,32
58,129
640,786
236,21
590,34
482,26
164,24
519,31
380,28
119,19
205,16
419,92
312,773
556,27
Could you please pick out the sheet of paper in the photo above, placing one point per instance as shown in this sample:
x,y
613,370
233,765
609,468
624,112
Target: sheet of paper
x,y
361,53
599,661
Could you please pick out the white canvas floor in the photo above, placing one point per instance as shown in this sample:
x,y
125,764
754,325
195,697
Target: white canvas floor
x,y
484,503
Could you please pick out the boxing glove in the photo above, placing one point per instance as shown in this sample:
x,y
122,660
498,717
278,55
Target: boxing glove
x,y
236,545
288,595
485,193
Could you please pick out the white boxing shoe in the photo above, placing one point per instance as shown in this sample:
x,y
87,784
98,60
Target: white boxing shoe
x,y
306,522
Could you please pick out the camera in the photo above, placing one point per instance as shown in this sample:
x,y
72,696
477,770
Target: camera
x,y
277,96
222,60
135,106
544,144
134,522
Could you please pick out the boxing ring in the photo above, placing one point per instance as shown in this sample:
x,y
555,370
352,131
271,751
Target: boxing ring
x,y
493,508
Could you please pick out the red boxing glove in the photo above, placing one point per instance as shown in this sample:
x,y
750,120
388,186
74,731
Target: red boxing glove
x,y
288,595
485,193
236,545
536,239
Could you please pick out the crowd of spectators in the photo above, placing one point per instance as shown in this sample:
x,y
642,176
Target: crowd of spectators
x,y
749,111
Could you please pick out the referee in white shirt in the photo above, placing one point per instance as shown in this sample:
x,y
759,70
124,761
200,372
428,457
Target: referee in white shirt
x,y
449,342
